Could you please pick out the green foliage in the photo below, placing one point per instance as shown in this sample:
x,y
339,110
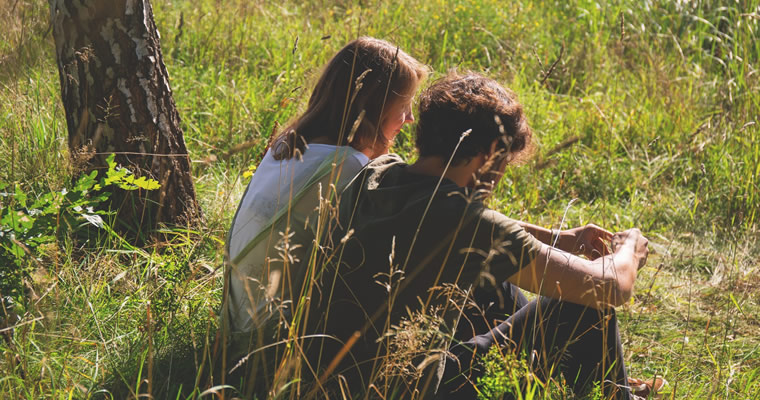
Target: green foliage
x,y
124,179
504,373
596,392
660,97
26,225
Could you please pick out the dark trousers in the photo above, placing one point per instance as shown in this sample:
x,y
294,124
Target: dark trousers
x,y
555,336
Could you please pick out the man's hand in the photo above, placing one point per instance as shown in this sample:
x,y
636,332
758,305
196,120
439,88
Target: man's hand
x,y
602,282
637,242
589,241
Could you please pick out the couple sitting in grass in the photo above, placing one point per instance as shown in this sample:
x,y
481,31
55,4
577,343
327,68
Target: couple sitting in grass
x,y
352,273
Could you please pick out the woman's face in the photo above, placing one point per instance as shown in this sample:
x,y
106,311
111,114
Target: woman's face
x,y
398,116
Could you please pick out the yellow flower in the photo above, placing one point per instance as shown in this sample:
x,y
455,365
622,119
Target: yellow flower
x,y
249,172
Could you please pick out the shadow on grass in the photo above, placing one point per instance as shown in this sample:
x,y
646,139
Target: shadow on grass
x,y
179,370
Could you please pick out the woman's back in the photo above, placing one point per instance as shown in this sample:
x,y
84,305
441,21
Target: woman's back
x,y
282,196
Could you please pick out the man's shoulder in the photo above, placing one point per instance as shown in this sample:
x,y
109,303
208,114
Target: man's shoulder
x,y
374,172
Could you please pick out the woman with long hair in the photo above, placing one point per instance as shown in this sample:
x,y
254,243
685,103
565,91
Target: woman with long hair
x,y
359,104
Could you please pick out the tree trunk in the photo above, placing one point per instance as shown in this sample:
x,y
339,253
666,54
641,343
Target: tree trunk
x,y
116,95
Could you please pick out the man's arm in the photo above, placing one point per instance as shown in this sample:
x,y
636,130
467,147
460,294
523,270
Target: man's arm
x,y
587,240
545,236
604,282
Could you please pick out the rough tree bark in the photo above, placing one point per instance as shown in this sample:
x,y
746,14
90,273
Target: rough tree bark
x,y
117,99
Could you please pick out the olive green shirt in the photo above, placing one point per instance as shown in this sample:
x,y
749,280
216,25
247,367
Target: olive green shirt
x,y
404,239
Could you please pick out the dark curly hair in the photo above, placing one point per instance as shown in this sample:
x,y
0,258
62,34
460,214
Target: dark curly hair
x,y
461,102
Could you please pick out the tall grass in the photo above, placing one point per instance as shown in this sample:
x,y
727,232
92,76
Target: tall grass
x,y
645,112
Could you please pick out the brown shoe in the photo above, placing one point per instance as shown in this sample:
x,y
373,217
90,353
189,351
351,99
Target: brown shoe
x,y
647,388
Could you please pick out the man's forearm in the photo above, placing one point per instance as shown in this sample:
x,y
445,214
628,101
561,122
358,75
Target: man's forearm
x,y
601,283
544,235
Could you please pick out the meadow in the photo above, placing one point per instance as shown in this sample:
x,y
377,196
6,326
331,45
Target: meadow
x,y
645,114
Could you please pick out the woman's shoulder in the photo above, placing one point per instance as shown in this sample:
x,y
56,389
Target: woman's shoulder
x,y
384,165
386,161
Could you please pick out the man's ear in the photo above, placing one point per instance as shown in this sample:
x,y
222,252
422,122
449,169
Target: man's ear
x,y
483,158
493,147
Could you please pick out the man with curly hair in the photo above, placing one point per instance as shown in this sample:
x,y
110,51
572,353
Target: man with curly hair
x,y
411,232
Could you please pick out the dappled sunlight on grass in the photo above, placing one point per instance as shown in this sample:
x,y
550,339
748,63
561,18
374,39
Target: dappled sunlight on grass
x,y
645,112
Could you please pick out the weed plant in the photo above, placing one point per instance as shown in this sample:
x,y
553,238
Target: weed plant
x,y
645,113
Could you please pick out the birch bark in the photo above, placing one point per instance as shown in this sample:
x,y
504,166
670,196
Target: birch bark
x,y
117,99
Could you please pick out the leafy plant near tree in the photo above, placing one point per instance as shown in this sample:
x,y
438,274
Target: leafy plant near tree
x,y
27,225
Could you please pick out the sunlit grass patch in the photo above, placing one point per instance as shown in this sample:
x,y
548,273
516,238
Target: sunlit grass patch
x,y
645,113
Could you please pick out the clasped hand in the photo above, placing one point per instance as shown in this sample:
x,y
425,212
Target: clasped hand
x,y
590,241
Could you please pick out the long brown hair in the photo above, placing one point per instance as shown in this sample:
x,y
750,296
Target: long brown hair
x,y
364,80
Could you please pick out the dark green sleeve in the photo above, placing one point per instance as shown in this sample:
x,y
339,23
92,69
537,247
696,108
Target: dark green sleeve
x,y
510,247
